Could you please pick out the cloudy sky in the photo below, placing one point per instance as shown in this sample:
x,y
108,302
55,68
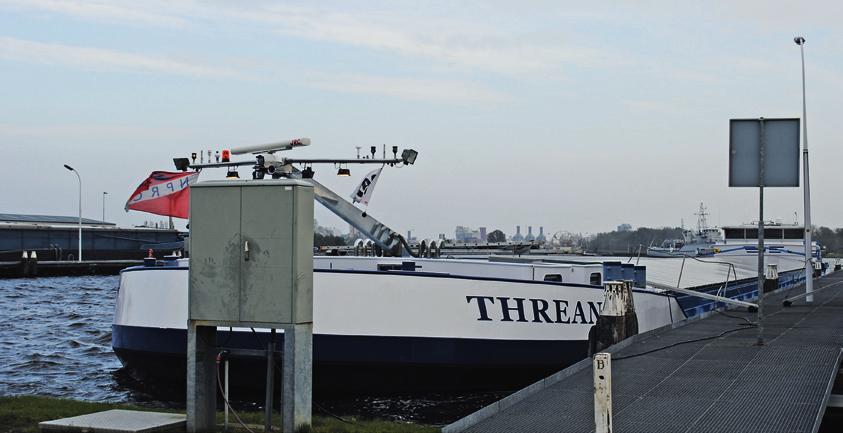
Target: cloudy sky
x,y
560,114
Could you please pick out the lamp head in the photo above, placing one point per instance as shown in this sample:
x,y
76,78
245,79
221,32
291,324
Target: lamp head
x,y
409,156
799,40
181,164
69,167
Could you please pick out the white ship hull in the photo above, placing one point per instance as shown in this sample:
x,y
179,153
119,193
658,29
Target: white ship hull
x,y
431,325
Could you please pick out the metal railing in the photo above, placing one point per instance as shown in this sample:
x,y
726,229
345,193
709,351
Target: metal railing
x,y
722,289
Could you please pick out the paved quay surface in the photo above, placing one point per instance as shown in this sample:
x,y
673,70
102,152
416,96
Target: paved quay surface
x,y
723,382
116,421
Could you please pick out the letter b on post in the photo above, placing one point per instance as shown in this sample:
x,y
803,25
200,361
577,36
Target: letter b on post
x,y
602,392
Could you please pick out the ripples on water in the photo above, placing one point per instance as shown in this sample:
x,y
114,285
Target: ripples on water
x,y
55,340
55,335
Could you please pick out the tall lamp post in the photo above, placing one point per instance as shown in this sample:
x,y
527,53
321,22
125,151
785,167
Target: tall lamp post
x,y
79,257
809,250
103,205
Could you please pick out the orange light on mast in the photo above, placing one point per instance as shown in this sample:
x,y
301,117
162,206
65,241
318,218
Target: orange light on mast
x,y
226,155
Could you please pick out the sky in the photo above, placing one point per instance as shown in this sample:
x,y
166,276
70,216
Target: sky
x,y
575,116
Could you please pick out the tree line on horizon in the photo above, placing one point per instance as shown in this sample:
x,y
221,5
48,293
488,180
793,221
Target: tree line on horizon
x,y
630,241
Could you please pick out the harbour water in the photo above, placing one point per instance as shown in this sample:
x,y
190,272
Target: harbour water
x,y
55,336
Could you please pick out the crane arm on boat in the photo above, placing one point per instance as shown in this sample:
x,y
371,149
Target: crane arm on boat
x,y
265,162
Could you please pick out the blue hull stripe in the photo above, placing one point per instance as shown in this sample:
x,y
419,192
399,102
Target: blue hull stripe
x,y
374,350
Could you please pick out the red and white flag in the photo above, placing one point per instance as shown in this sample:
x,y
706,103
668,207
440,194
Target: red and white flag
x,y
164,193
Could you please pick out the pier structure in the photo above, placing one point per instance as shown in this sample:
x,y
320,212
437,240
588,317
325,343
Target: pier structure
x,y
703,374
51,268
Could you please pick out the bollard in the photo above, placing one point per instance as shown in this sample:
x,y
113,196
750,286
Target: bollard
x,y
617,320
771,278
33,264
630,318
627,272
602,393
23,266
640,276
612,271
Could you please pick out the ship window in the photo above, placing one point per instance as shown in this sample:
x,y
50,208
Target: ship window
x,y
773,233
794,233
595,279
553,277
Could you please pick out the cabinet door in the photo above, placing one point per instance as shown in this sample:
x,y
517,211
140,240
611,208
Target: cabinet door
x,y
266,284
215,254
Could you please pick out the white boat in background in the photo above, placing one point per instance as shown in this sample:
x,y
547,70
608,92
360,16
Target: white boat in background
x,y
780,239
694,243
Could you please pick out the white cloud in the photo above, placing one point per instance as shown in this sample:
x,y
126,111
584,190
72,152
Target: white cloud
x,y
22,50
88,58
407,88
84,131
450,37
451,40
132,13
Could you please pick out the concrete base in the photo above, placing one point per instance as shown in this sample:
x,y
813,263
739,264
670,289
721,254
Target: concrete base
x,y
116,421
201,378
296,384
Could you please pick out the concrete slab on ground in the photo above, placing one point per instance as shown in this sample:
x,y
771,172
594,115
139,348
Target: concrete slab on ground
x,y
116,421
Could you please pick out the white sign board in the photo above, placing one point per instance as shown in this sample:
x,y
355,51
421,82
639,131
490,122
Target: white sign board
x,y
781,152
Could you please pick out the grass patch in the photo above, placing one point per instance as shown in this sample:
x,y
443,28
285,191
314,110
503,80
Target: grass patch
x,y
22,415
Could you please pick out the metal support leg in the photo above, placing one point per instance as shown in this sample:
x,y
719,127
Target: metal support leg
x,y
270,388
201,378
297,378
227,397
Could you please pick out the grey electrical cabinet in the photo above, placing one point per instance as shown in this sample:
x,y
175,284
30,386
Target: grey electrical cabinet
x,y
251,252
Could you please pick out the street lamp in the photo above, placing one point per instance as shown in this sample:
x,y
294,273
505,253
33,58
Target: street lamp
x,y
79,257
809,250
103,205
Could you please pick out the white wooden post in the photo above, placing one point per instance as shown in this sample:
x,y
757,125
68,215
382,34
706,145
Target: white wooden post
x,y
603,393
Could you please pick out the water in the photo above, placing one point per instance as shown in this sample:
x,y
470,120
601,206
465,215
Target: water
x,y
55,340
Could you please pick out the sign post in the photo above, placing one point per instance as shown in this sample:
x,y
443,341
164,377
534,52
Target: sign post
x,y
763,153
761,276
602,392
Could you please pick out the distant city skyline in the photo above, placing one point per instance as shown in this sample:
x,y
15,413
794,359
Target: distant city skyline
x,y
578,115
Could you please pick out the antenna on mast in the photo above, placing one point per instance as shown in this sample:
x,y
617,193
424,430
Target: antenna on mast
x,y
702,222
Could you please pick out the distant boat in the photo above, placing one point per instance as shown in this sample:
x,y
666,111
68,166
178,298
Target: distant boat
x,y
779,239
694,243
